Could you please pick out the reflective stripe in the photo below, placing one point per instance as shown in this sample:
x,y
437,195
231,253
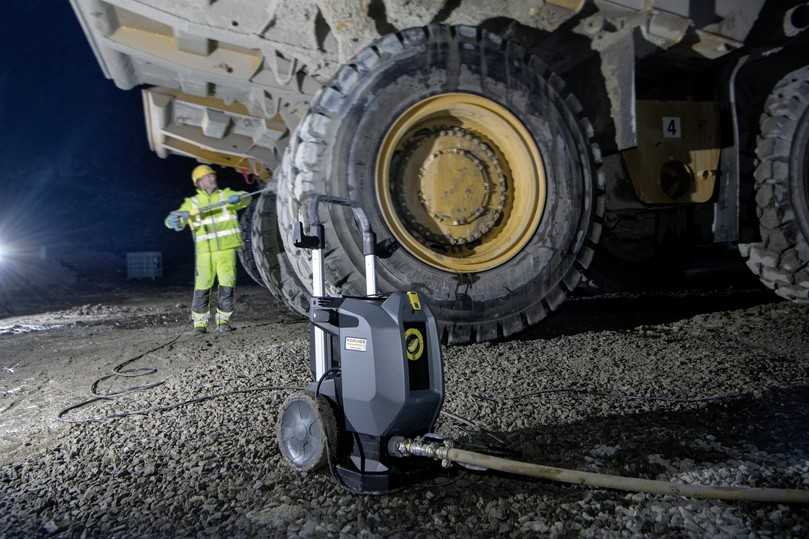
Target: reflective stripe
x,y
220,234
200,319
199,223
217,228
216,219
223,317
215,195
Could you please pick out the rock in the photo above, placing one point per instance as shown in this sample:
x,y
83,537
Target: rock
x,y
277,516
604,451
143,464
537,526
50,527
308,528
494,512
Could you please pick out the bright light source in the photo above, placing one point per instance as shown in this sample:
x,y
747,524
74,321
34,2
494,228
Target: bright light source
x,y
5,252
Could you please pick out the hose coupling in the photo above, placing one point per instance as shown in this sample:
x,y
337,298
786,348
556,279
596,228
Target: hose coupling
x,y
421,446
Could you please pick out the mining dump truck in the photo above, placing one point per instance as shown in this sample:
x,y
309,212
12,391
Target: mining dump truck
x,y
492,144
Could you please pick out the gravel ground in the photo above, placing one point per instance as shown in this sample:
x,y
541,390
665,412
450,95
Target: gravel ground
x,y
621,384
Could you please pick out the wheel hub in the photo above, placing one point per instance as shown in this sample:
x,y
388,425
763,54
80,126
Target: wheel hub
x,y
468,185
460,183
447,185
300,434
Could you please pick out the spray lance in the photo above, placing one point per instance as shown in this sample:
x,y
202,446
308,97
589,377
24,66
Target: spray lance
x,y
185,215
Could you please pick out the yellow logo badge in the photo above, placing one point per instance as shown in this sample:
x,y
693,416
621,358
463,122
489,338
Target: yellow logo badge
x,y
414,344
415,303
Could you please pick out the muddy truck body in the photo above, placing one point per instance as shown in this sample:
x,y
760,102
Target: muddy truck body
x,y
494,145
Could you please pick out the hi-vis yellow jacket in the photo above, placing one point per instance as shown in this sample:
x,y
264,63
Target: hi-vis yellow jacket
x,y
218,229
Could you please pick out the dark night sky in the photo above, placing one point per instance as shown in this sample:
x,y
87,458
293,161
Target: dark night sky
x,y
77,172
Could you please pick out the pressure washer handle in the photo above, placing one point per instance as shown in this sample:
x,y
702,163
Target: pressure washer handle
x,y
303,241
318,238
360,218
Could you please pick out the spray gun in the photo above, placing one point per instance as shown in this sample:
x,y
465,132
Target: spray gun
x,y
186,215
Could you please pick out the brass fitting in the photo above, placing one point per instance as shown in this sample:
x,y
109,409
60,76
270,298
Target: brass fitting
x,y
401,447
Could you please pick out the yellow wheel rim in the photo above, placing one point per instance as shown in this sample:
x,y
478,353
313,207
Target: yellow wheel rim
x,y
460,182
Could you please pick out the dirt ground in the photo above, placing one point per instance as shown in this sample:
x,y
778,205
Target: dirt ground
x,y
695,386
49,357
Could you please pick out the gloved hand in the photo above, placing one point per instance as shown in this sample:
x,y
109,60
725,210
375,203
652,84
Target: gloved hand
x,y
234,199
176,220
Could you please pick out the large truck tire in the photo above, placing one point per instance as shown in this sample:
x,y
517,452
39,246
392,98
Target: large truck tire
x,y
245,254
475,166
272,264
781,258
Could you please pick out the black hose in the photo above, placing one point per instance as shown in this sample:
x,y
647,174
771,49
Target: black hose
x,y
119,371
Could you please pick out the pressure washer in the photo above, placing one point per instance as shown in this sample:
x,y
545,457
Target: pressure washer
x,y
377,370
378,388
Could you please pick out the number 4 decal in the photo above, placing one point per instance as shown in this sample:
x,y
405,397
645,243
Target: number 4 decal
x,y
671,127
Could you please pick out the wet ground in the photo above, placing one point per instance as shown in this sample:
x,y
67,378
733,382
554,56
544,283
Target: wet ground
x,y
693,385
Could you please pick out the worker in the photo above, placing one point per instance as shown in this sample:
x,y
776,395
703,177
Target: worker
x,y
217,236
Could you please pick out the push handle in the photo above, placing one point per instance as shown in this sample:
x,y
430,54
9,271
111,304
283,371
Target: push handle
x,y
317,241
360,219
302,241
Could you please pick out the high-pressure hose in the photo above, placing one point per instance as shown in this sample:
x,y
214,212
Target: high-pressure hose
x,y
444,452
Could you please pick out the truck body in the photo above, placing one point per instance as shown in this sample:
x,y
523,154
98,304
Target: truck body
x,y
496,143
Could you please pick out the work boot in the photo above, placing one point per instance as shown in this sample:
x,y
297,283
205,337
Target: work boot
x,y
224,328
198,331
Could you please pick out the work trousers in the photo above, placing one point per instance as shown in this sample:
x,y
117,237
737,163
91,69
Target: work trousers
x,y
211,267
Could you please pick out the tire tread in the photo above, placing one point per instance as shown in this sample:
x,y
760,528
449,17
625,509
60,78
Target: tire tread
x,y
780,259
305,175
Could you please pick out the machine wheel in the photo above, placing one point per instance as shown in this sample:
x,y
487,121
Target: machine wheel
x,y
781,259
246,257
306,432
475,166
272,264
